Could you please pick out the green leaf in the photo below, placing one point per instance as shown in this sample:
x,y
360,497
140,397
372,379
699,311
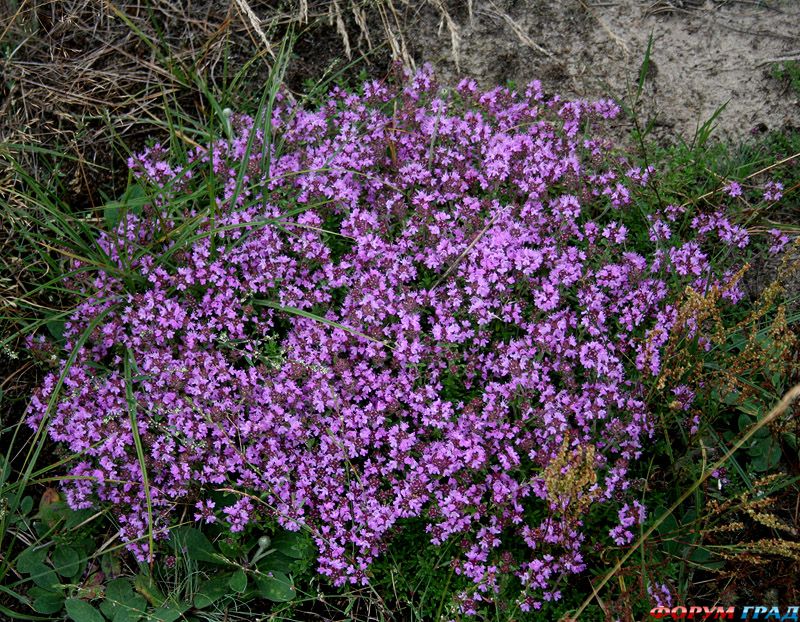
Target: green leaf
x,y
293,544
43,576
196,546
211,591
744,422
773,456
30,559
76,517
112,213
760,463
35,591
121,603
276,561
132,197
26,505
730,398
110,564
119,589
56,329
277,587
48,602
231,550
148,588
705,558
131,610
762,434
751,407
66,560
238,581
759,447
169,613
81,611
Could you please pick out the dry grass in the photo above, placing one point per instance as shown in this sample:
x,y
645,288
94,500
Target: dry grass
x,y
80,73
77,75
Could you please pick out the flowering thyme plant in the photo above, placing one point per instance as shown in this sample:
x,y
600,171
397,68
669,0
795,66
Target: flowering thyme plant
x,y
408,303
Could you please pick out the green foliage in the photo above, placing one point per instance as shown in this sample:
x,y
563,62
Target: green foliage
x,y
61,576
787,72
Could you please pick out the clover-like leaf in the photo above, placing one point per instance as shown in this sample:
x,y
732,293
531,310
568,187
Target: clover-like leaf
x,y
31,559
51,603
66,561
81,611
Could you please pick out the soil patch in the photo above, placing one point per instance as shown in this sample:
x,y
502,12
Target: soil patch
x,y
704,54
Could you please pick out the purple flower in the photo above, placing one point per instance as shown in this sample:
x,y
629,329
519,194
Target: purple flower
x,y
773,191
480,325
205,511
779,241
733,189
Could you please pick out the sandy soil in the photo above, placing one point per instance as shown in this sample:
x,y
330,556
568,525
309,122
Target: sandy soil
x,y
705,53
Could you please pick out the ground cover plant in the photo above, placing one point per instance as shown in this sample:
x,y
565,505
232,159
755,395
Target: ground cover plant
x,y
399,351
452,316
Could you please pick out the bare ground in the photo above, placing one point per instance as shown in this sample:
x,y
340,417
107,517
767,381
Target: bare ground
x,y
704,54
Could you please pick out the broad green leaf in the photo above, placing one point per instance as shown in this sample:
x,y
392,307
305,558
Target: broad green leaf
x,y
759,447
751,407
131,610
132,198
119,589
276,587
231,550
76,517
169,613
30,559
110,564
211,591
49,602
238,581
293,544
111,214
196,546
43,576
35,591
703,557
148,588
26,505
730,398
760,463
773,456
744,422
81,611
56,329
275,562
66,560
121,603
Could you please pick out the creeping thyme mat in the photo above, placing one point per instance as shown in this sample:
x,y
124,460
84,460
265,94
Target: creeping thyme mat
x,y
408,303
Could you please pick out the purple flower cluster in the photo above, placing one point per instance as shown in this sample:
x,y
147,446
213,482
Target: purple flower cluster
x,y
484,337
